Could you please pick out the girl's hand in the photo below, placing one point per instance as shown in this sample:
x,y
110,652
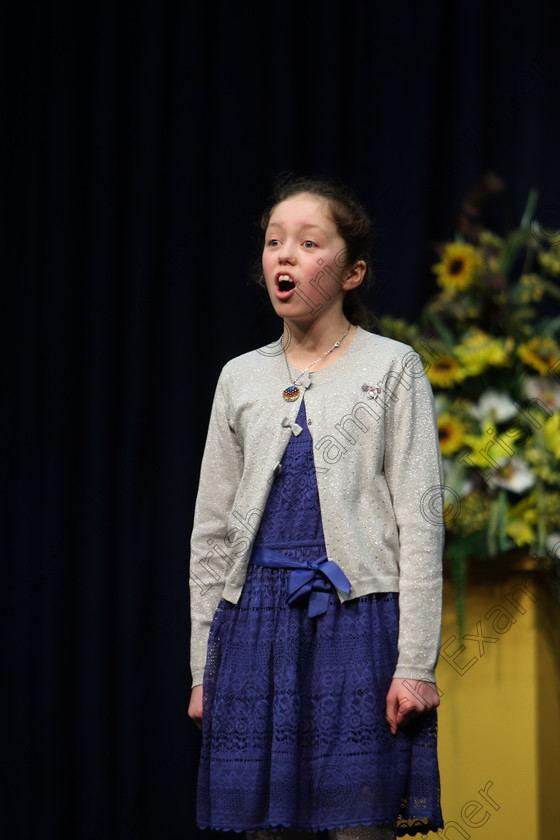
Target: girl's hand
x,y
195,705
408,698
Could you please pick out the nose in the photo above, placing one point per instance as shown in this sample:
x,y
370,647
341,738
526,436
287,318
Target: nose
x,y
286,252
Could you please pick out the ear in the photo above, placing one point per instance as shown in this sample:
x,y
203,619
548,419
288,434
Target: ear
x,y
355,275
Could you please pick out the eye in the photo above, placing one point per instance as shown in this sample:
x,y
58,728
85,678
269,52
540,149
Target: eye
x,y
272,242
309,244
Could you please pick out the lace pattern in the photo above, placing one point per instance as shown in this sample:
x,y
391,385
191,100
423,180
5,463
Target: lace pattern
x,y
294,707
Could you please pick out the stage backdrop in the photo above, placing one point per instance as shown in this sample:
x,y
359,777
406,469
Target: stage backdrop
x,y
138,144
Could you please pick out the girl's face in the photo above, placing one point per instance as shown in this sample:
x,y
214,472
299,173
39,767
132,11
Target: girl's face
x,y
304,259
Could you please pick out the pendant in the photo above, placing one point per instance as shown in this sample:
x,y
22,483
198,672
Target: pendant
x,y
291,393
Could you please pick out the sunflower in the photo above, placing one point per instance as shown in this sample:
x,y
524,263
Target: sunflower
x,y
539,353
445,371
451,434
460,265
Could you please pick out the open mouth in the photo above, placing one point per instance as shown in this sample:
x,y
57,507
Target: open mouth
x,y
285,286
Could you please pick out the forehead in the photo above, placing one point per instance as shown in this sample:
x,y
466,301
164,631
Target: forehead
x,y
303,210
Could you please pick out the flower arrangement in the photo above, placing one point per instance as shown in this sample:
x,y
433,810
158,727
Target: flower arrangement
x,y
488,339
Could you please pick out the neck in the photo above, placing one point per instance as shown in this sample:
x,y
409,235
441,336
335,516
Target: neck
x,y
308,347
315,337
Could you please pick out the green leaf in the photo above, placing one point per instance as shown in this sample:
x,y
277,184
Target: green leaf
x,y
445,334
530,208
492,530
503,538
517,238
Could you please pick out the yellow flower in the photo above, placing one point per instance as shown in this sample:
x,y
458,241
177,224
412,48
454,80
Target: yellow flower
x,y
550,509
531,288
551,434
550,261
398,329
460,265
543,465
489,238
520,532
539,353
473,518
444,371
522,521
490,450
480,351
451,434
479,446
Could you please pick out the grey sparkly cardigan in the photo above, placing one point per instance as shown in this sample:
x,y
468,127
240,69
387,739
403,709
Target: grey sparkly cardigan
x,y
379,476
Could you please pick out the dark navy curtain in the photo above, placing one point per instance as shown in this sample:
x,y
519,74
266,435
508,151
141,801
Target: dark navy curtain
x,y
138,144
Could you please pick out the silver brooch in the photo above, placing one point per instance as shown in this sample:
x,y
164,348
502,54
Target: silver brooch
x,y
372,390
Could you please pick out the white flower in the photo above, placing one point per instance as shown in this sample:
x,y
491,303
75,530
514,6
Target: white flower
x,y
542,388
552,544
495,407
466,487
514,475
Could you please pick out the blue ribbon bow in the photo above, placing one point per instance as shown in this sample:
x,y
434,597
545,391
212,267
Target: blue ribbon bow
x,y
309,579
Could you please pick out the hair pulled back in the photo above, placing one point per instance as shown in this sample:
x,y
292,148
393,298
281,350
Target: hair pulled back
x,y
352,222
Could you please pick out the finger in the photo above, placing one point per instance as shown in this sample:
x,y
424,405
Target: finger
x,y
395,712
408,709
426,693
405,717
421,707
391,712
412,710
195,713
196,719
392,723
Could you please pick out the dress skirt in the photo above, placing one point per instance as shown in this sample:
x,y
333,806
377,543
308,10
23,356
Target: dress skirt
x,y
294,729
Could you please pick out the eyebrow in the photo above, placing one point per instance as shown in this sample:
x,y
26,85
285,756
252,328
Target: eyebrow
x,y
307,226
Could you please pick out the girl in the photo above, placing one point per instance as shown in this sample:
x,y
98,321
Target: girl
x,y
316,556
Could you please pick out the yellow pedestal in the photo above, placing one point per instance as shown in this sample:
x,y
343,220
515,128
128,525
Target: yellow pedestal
x,y
499,719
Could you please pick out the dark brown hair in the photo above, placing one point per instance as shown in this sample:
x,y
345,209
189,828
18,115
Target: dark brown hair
x,y
352,222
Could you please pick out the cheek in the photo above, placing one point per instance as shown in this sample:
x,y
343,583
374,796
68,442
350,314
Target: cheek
x,y
268,265
265,260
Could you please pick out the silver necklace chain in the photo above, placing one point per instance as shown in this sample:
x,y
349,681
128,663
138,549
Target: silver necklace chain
x,y
335,345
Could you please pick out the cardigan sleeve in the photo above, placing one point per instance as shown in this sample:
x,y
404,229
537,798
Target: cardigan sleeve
x,y
413,470
211,545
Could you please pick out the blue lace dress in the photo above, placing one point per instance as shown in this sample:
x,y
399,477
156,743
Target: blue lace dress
x,y
294,728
